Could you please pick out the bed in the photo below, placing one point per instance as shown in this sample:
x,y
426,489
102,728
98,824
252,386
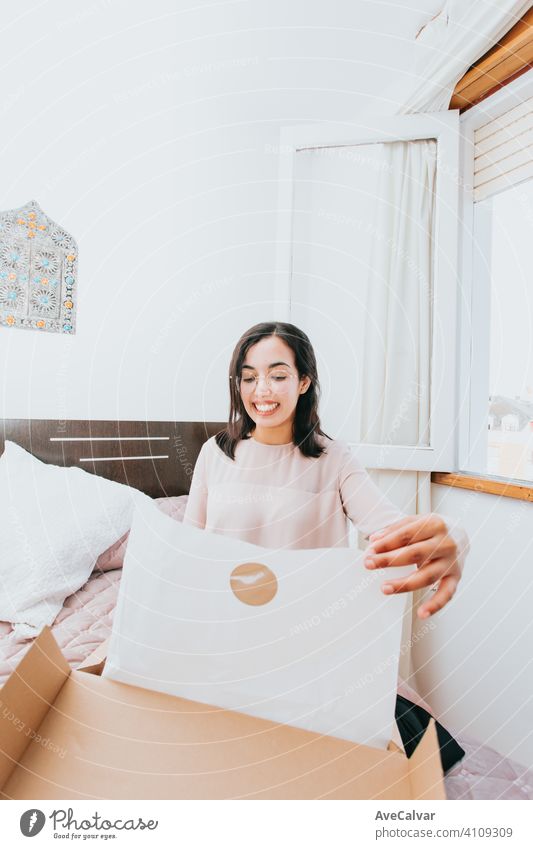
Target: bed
x,y
158,458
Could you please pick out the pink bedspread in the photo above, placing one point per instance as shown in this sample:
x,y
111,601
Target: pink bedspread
x,y
86,619
83,623
485,774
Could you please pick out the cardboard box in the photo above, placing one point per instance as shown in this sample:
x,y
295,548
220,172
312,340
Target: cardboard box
x,y
70,734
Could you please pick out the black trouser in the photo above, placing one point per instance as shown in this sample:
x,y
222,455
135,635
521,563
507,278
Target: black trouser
x,y
412,721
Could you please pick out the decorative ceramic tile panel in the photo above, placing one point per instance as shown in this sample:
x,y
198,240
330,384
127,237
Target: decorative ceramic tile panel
x,y
38,271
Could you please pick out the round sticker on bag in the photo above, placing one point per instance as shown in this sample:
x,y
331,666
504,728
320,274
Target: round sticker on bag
x,y
253,583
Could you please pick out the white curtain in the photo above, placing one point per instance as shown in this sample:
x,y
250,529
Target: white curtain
x,y
443,51
398,334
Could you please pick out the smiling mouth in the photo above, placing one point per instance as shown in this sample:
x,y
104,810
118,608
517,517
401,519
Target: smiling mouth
x,y
265,409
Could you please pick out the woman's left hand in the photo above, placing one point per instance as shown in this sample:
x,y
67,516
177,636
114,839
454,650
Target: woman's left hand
x,y
426,542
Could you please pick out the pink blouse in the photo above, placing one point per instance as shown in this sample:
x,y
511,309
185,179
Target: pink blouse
x,y
273,496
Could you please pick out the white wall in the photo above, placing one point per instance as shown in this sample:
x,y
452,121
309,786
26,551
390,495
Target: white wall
x,y
149,132
475,667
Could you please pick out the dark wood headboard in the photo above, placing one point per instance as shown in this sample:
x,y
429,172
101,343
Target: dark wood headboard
x,y
155,457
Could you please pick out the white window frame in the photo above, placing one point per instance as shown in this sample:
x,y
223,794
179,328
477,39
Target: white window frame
x,y
441,454
475,313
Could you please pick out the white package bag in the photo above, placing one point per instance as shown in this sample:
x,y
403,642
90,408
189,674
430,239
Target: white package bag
x,y
321,654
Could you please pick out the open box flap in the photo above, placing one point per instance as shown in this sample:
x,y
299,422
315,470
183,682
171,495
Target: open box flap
x,y
95,663
26,697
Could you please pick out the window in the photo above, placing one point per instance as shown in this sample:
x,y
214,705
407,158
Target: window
x,y
368,267
497,331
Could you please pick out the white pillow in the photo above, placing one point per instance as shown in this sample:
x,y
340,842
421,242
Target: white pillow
x,y
54,523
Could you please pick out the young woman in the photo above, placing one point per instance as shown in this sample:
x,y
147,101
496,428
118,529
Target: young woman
x,y
274,478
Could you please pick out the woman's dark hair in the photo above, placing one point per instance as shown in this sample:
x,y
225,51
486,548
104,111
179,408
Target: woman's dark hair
x,y
306,429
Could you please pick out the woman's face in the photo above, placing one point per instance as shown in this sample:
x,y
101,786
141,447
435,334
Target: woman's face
x,y
270,385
